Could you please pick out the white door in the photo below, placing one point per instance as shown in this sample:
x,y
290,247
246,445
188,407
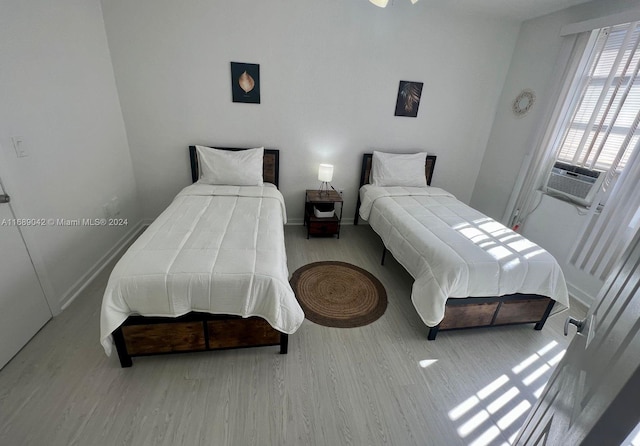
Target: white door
x,y
593,396
23,307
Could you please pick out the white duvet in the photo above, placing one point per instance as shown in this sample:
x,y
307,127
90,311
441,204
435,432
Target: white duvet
x,y
215,249
452,250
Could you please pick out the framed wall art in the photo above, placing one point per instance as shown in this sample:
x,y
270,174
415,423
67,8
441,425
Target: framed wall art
x,y
245,82
408,98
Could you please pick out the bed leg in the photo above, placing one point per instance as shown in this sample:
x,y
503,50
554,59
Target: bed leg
x,y
384,253
284,343
121,347
547,312
433,332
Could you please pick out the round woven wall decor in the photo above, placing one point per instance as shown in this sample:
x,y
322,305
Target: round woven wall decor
x,y
338,294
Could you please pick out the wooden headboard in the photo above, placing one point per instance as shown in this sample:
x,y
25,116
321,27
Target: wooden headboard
x,y
270,165
367,159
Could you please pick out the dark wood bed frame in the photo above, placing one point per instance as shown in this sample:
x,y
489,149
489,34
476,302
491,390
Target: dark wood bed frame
x,y
473,312
195,331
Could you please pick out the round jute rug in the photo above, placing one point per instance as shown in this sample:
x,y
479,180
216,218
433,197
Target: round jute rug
x,y
338,294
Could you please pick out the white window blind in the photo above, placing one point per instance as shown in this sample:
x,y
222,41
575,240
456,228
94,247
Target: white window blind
x,y
602,135
601,132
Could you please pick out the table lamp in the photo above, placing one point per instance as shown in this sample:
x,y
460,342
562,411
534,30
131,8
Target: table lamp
x,y
325,174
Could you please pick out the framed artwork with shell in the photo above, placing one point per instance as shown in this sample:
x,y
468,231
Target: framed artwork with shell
x,y
245,82
408,98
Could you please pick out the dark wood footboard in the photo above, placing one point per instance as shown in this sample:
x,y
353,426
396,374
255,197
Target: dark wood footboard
x,y
143,336
473,312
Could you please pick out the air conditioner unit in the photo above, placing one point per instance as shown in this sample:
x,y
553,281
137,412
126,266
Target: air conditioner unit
x,y
576,183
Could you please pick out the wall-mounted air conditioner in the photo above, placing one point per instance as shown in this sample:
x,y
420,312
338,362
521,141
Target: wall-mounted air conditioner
x,y
576,183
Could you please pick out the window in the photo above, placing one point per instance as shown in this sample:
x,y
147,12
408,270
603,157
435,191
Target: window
x,y
601,130
601,134
593,127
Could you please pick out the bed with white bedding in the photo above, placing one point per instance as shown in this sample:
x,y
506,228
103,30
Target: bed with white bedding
x,y
210,272
469,270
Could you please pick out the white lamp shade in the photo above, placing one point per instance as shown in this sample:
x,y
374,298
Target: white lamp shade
x,y
380,3
325,172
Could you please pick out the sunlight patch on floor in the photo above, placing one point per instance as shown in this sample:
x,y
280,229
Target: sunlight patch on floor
x,y
487,391
473,423
513,415
503,400
463,408
496,412
427,362
533,377
486,437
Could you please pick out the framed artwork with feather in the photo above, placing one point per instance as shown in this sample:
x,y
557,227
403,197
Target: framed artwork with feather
x,y
245,82
408,98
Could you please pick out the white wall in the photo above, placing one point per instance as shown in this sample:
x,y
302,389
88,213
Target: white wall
x,y
554,225
534,58
329,78
59,95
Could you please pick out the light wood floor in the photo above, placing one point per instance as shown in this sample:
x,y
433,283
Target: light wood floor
x,y
383,384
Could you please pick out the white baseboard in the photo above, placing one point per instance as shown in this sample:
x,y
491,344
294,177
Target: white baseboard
x,y
580,295
97,268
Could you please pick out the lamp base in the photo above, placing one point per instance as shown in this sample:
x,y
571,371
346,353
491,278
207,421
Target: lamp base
x,y
324,188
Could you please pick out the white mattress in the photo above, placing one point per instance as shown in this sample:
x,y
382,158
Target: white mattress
x,y
452,250
215,249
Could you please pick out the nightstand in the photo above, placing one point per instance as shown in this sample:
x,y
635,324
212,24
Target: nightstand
x,y
323,202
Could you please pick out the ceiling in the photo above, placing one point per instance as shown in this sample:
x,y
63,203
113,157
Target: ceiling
x,y
514,9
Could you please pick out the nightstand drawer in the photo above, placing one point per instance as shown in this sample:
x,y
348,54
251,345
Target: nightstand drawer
x,y
320,213
323,227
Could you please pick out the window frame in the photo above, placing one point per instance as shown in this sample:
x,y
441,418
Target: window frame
x,y
591,149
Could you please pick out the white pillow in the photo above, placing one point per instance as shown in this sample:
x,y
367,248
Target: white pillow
x,y
234,168
395,169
